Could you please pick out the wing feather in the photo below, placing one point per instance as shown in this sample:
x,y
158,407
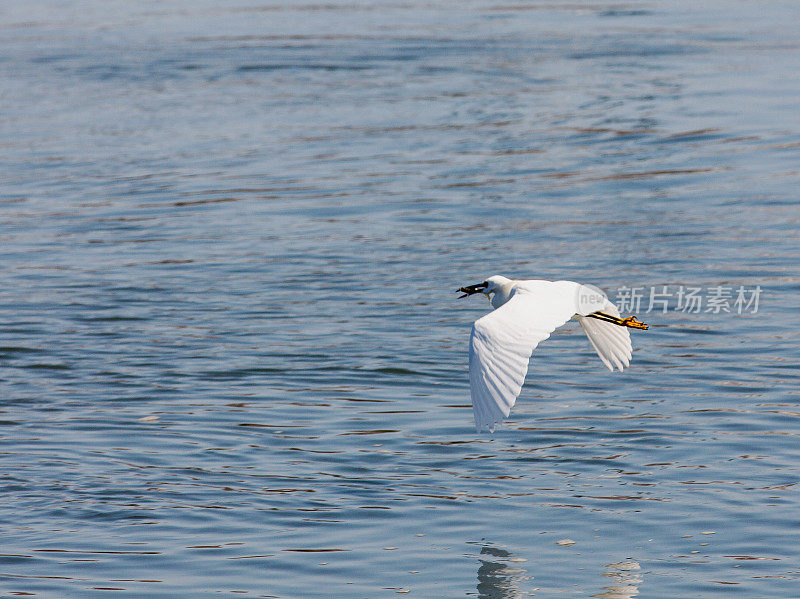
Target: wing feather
x,y
501,344
611,342
594,342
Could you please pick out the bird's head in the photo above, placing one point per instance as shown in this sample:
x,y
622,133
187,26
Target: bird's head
x,y
489,286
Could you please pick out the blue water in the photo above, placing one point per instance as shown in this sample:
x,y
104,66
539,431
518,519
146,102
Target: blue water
x,y
232,361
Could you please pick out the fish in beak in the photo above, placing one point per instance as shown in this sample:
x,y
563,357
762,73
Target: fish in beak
x,y
472,289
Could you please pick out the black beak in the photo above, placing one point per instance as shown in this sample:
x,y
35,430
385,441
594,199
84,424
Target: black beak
x,y
472,289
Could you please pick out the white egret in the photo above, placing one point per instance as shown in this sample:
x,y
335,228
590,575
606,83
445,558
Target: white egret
x,y
525,314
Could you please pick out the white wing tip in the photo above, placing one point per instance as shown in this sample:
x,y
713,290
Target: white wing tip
x,y
488,425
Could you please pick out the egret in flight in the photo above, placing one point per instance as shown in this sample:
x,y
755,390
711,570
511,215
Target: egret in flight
x,y
525,313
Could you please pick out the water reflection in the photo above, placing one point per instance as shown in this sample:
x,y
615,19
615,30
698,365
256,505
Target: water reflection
x,y
496,578
500,577
625,578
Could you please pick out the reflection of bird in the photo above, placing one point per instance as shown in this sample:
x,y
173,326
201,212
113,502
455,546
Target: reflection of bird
x,y
526,312
626,580
496,579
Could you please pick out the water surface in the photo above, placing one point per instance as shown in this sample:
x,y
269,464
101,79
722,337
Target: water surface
x,y
233,361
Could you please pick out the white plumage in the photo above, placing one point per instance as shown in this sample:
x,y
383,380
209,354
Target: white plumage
x,y
525,314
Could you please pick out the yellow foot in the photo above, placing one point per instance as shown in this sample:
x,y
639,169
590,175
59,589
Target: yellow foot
x,y
632,323
629,322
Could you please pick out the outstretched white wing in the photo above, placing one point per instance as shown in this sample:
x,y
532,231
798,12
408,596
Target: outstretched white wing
x,y
502,342
611,342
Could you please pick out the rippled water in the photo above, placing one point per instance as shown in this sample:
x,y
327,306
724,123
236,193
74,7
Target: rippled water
x,y
233,362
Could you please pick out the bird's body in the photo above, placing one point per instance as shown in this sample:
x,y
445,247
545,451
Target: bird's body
x,y
525,313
